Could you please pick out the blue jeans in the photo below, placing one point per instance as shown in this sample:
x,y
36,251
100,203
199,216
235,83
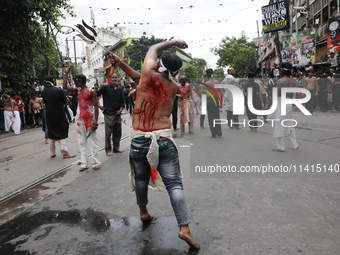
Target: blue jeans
x,y
45,123
168,168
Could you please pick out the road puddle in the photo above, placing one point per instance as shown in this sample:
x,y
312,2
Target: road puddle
x,y
91,232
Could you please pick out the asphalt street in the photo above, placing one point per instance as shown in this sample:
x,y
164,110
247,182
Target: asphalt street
x,y
237,207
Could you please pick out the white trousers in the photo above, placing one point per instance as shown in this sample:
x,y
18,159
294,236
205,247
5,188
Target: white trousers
x,y
82,142
62,145
281,142
15,122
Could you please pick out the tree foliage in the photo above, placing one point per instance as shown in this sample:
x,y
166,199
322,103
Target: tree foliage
x,y
200,65
191,72
27,50
137,50
237,53
219,74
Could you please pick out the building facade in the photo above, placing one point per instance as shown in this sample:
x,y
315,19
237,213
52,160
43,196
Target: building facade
x,y
304,14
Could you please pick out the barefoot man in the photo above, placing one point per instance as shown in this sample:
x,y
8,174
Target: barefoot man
x,y
184,103
34,107
281,131
11,115
87,119
152,145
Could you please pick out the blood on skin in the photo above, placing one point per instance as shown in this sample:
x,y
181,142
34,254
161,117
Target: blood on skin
x,y
86,108
156,96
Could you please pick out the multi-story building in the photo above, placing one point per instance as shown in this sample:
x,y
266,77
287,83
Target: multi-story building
x,y
93,53
317,13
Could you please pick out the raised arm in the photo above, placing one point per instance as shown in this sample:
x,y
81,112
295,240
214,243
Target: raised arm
x,y
114,59
151,56
71,89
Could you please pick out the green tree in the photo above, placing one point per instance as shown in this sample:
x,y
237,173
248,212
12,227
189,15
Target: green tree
x,y
200,64
138,49
27,50
237,53
191,72
219,74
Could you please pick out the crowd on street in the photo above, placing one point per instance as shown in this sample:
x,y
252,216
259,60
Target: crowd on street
x,y
150,105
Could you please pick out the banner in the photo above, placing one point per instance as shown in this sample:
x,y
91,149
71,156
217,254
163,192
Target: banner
x,y
299,48
333,37
275,17
59,83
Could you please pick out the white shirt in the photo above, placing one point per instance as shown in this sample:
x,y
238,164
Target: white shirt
x,y
228,96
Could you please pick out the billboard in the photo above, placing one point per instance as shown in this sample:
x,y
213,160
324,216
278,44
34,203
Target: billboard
x,y
333,36
299,48
275,17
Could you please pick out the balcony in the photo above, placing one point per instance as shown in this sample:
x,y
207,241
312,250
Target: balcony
x,y
322,31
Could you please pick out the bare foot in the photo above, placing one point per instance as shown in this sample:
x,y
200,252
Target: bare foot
x,y
144,214
146,217
68,155
53,156
109,154
275,149
82,169
97,167
250,130
186,236
117,151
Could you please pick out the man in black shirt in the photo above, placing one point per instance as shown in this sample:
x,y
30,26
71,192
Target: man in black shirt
x,y
113,105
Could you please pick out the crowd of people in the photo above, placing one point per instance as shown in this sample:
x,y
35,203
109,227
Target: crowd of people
x,y
150,104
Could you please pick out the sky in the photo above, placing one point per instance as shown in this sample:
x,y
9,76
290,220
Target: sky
x,y
201,23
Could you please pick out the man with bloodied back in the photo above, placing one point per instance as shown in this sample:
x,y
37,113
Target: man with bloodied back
x,y
152,145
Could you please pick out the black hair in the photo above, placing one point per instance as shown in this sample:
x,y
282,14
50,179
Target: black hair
x,y
80,77
49,78
251,75
287,68
171,61
209,72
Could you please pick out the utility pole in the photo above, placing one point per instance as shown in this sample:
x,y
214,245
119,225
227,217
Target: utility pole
x,y
296,21
278,48
307,22
75,56
260,51
291,16
67,49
